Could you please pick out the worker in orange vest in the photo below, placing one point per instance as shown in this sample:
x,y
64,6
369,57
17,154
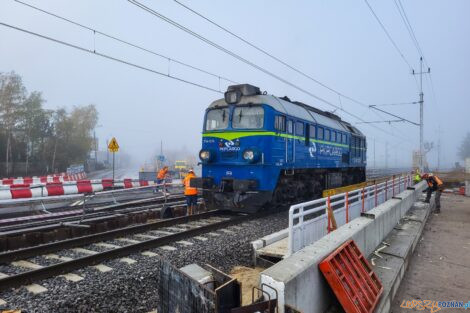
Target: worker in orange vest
x,y
162,174
435,184
190,192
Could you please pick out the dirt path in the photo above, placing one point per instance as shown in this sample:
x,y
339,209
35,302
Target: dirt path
x,y
439,269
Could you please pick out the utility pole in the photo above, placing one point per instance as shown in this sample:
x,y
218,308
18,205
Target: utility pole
x,y
421,112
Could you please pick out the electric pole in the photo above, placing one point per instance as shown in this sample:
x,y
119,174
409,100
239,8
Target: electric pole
x,y
421,112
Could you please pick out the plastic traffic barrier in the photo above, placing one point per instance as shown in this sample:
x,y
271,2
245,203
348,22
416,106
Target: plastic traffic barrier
x,y
352,279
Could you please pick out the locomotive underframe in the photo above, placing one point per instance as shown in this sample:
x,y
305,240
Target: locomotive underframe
x,y
293,186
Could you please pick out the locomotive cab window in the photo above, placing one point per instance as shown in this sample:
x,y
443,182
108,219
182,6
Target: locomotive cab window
x,y
280,123
338,137
327,135
312,132
345,139
320,133
248,117
299,129
333,136
217,119
290,127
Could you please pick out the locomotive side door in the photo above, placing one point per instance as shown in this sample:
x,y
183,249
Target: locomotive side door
x,y
290,142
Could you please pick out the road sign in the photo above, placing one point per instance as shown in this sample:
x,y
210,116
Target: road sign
x,y
113,145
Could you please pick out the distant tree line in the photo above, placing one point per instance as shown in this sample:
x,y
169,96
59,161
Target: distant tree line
x,y
464,151
35,140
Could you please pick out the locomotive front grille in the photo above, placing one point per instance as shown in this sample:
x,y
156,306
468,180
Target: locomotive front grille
x,y
229,155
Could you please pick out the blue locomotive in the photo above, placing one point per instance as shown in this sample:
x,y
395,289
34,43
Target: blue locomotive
x,y
259,150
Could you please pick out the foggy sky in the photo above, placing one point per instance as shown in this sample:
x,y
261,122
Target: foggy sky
x,y
337,42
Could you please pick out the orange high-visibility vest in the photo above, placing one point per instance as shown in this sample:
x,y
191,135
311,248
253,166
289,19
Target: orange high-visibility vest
x,y
438,181
189,191
162,173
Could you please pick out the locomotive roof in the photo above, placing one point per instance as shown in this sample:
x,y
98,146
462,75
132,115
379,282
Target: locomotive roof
x,y
296,109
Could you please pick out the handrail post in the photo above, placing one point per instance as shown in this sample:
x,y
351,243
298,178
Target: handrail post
x,y
346,203
363,200
375,192
386,190
328,201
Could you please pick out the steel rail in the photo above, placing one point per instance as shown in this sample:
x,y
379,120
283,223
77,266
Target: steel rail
x,y
68,266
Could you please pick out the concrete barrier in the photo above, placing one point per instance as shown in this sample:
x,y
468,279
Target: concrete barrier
x,y
297,279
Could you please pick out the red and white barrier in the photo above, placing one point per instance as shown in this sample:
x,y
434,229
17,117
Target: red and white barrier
x,y
21,191
63,177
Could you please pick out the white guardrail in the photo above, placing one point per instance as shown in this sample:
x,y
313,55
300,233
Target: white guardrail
x,y
309,221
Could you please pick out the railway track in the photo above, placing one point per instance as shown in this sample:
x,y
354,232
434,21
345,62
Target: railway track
x,y
77,253
91,221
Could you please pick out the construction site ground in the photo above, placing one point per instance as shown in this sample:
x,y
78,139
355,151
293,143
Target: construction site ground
x,y
439,269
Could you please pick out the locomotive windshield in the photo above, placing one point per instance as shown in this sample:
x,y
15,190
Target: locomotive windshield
x,y
217,119
248,117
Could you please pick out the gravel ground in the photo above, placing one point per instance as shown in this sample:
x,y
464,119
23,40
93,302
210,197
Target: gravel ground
x,y
133,287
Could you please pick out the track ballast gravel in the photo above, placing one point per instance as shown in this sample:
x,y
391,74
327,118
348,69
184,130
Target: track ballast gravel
x,y
133,287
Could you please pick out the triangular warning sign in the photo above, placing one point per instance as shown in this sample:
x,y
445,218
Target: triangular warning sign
x,y
113,145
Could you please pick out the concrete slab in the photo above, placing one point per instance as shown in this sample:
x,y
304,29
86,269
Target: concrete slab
x,y
2,302
174,229
227,231
84,251
57,257
127,260
389,270
106,245
277,249
26,264
72,277
168,248
149,253
399,244
128,240
161,232
184,243
103,268
200,238
213,234
35,288
146,237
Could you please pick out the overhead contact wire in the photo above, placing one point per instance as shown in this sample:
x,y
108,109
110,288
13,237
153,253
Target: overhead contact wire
x,y
244,60
124,41
64,43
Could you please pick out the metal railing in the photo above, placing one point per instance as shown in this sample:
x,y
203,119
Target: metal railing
x,y
309,221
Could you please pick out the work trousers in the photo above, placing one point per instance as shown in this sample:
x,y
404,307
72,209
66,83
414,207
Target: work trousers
x,y
437,197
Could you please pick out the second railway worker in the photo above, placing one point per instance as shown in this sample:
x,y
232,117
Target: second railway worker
x,y
190,192
435,184
162,174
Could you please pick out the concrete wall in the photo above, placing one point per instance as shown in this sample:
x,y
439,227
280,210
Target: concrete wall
x,y
298,280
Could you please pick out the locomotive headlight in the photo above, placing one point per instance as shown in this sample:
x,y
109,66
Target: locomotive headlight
x,y
249,155
205,155
232,96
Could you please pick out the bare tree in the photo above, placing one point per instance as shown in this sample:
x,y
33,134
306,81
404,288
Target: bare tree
x,y
12,96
